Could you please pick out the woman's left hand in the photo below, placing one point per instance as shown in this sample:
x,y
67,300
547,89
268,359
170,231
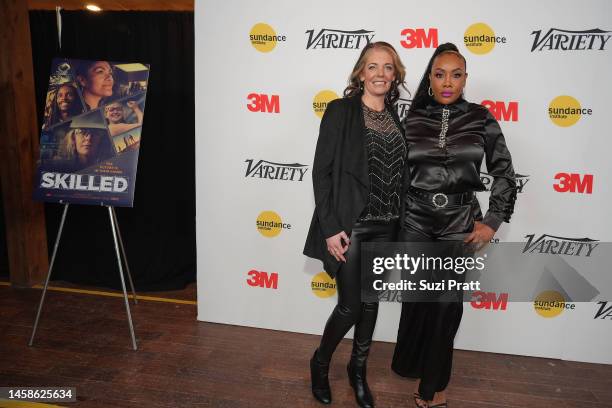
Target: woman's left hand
x,y
481,235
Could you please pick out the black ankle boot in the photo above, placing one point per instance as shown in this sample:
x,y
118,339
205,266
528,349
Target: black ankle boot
x,y
320,381
357,378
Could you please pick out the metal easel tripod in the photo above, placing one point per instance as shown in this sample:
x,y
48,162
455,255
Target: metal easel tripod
x,y
119,249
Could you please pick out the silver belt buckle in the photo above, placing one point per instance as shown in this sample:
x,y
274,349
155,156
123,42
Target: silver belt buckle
x,y
440,200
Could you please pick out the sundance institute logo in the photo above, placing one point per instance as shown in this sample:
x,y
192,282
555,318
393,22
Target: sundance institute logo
x,y
263,37
480,39
320,101
269,224
323,285
551,303
565,111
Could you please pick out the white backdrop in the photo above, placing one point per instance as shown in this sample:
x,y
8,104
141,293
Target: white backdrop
x,y
234,133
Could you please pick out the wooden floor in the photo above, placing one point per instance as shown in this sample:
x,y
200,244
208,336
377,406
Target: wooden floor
x,y
83,342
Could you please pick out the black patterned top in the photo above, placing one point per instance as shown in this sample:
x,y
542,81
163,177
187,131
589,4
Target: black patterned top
x,y
386,155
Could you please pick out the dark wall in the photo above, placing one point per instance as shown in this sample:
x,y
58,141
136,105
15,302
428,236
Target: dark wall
x,y
3,252
159,232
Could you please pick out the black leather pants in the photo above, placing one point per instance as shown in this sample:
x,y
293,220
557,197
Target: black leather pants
x,y
350,310
427,330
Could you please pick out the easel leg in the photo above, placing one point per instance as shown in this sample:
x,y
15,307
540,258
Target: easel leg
x,y
44,292
125,297
127,267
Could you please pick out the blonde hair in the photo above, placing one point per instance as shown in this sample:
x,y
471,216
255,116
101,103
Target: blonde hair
x,y
67,148
354,86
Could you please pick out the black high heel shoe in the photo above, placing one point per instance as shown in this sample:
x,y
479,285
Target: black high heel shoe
x,y
320,380
357,379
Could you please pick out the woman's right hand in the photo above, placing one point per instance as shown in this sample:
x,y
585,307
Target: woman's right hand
x,y
337,245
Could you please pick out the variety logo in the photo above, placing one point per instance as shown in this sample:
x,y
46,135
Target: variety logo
x,y
521,181
323,285
320,101
390,296
330,38
403,105
480,39
263,37
502,111
574,183
565,111
262,279
604,312
489,300
419,38
551,303
269,224
263,103
566,40
264,169
550,244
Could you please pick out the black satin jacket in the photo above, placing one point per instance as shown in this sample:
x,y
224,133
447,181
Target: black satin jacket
x,y
473,135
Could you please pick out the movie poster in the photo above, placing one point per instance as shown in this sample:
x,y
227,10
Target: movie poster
x,y
91,132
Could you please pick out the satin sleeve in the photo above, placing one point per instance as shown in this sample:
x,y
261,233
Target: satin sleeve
x,y
322,181
476,211
499,166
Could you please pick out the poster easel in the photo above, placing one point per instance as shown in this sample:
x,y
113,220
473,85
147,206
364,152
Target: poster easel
x,y
121,258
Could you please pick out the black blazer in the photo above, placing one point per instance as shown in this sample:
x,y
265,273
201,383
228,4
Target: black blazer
x,y
339,176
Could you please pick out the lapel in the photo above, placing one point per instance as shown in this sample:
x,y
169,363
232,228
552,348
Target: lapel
x,y
356,147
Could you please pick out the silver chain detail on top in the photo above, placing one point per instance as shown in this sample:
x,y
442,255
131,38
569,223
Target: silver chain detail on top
x,y
386,155
444,129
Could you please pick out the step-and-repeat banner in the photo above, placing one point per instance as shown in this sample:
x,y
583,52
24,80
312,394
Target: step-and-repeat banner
x,y
265,72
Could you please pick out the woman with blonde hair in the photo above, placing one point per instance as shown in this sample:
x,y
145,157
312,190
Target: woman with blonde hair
x,y
86,143
356,177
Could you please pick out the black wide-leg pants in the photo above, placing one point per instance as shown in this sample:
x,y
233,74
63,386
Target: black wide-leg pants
x,y
350,310
427,330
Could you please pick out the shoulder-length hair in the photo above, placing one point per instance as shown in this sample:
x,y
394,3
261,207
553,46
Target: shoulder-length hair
x,y
354,85
67,148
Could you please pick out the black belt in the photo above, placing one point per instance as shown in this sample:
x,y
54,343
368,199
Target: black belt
x,y
441,200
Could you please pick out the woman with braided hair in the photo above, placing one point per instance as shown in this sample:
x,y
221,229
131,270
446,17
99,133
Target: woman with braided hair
x,y
447,139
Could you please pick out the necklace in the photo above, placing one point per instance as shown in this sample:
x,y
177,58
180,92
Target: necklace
x,y
374,114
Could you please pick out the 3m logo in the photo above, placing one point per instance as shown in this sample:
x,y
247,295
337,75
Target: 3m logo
x,y
419,38
574,183
263,103
502,111
263,279
489,300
